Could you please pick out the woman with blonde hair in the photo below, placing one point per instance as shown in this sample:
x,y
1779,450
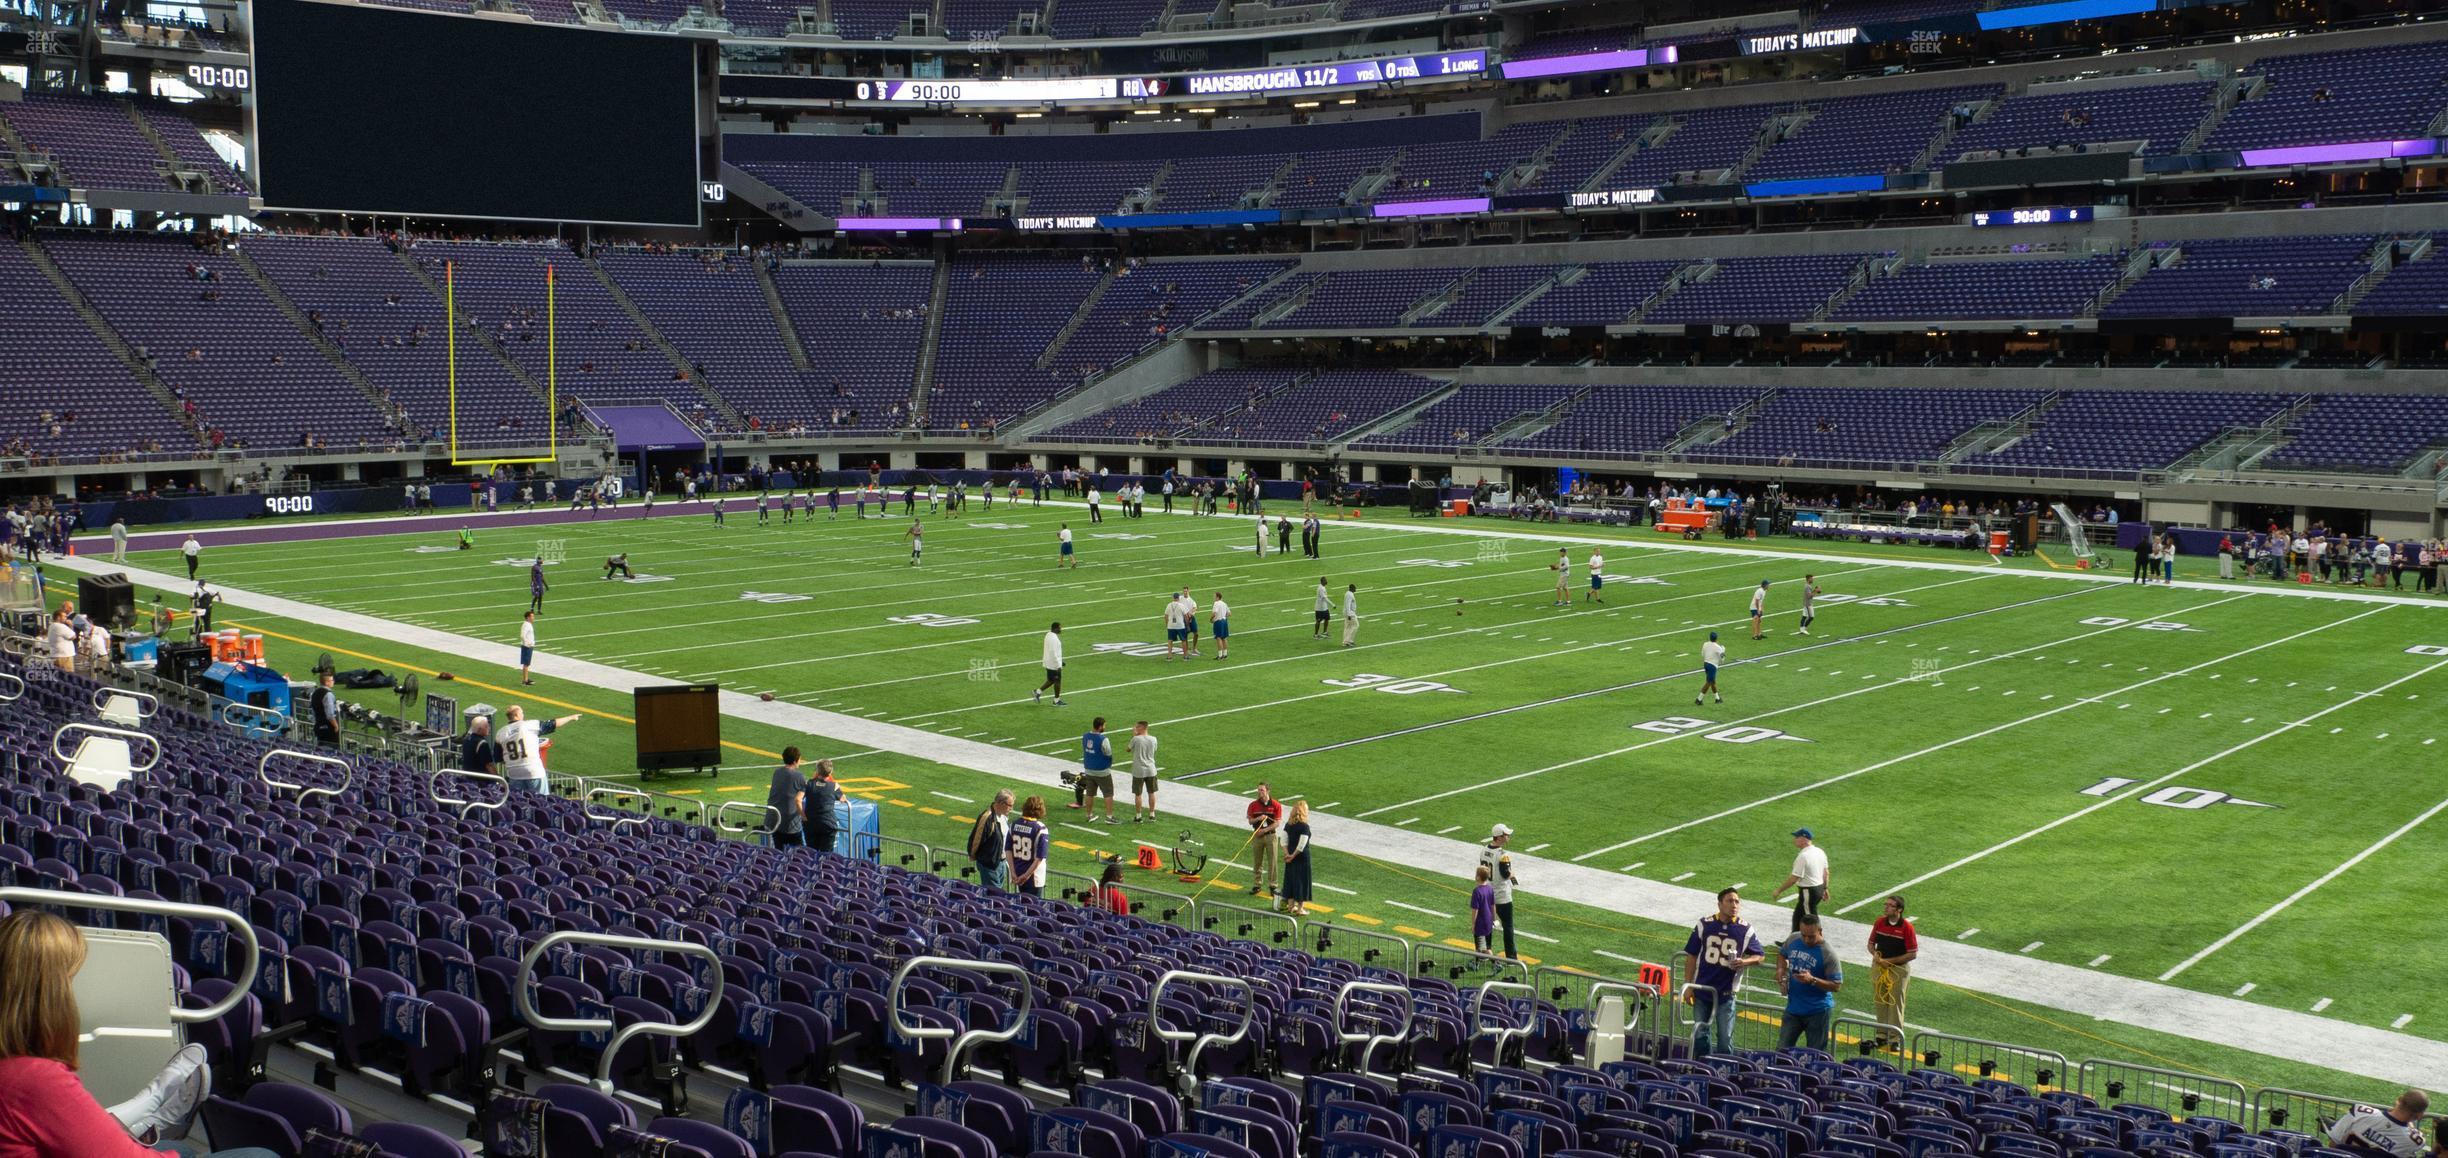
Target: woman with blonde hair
x,y
1296,859
44,1110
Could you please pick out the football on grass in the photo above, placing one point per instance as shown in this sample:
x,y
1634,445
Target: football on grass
x,y
765,696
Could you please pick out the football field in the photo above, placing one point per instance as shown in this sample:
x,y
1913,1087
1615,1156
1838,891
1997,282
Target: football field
x,y
2219,787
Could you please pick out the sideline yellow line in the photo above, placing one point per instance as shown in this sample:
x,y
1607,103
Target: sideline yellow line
x,y
515,693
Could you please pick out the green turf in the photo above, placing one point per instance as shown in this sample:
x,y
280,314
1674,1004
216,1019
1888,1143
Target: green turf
x,y
1943,725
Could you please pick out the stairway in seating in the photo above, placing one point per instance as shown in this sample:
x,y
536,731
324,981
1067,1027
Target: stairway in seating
x,y
924,381
331,351
110,338
467,326
671,353
782,319
1079,317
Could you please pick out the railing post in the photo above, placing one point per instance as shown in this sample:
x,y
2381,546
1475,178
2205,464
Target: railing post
x,y
1199,1041
961,1039
1370,1041
525,1001
238,924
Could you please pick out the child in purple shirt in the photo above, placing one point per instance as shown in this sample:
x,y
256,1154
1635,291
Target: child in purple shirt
x,y
1483,911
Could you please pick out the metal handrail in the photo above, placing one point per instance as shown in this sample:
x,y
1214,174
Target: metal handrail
x,y
7,678
1200,1041
964,1038
105,730
1370,1041
616,818
147,704
268,719
246,933
773,815
1639,1000
348,772
433,790
521,985
1478,1014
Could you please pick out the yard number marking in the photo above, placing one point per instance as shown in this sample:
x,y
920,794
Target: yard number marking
x,y
1391,685
930,619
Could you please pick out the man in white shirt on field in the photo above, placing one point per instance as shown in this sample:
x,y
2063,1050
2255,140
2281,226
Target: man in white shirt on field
x,y
1759,607
1176,636
527,646
1220,618
118,540
1597,578
522,748
1810,603
1351,615
1809,878
1712,657
1143,773
1096,495
1325,608
1053,658
1065,554
194,551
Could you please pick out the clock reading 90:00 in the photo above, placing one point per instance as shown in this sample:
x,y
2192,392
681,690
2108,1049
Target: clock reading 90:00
x,y
220,76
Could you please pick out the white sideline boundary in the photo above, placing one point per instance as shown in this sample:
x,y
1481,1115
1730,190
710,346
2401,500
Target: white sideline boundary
x,y
2379,1054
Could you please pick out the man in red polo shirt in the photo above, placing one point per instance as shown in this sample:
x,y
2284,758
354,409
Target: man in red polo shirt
x,y
1266,850
1893,945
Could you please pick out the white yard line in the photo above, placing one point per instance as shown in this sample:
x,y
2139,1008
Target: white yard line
x,y
2309,889
1992,730
1417,909
1657,740
2140,789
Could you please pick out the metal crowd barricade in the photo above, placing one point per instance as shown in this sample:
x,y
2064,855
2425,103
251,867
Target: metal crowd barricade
x,y
914,856
1757,1025
468,804
1355,944
12,687
2308,1113
1073,887
522,990
1199,1040
2180,1094
1866,1034
263,772
867,847
962,1039
1500,1034
1980,1058
1368,1042
1262,925
770,815
1170,907
618,817
1461,963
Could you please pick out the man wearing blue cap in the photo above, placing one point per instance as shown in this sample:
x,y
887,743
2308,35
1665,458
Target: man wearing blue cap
x,y
1809,878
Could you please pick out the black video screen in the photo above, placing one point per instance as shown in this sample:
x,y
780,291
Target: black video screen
x,y
371,110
